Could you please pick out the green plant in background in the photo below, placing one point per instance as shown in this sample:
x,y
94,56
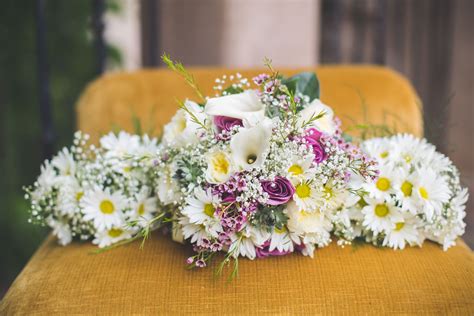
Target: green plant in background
x,y
72,65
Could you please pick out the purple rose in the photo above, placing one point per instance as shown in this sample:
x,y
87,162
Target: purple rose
x,y
225,123
264,251
313,139
280,190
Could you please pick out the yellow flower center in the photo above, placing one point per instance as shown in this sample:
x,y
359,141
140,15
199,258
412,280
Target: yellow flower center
x,y
79,196
424,194
220,163
304,213
115,232
328,192
384,155
303,190
407,188
209,210
381,210
181,124
280,230
251,158
141,209
399,226
295,170
127,169
383,184
407,158
107,207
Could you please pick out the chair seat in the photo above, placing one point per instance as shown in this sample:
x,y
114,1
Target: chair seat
x,y
355,279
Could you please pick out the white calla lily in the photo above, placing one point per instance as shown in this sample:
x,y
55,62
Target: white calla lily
x,y
250,145
245,106
325,123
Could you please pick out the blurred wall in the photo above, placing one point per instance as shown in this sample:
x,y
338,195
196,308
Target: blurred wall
x,y
239,33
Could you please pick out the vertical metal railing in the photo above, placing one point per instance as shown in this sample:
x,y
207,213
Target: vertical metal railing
x,y
47,134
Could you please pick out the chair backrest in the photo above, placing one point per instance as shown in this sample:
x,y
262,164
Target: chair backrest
x,y
358,94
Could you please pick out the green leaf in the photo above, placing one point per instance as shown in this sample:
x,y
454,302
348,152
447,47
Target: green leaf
x,y
306,83
233,90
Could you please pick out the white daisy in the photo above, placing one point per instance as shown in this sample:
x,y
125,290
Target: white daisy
x,y
64,163
432,191
281,240
70,194
182,130
47,178
384,185
380,149
61,230
409,150
402,233
403,184
144,207
201,209
103,208
334,197
195,233
245,241
380,215
312,227
111,236
300,169
120,145
308,196
148,147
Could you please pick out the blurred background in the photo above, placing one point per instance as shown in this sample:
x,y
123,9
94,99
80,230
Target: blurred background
x,y
51,49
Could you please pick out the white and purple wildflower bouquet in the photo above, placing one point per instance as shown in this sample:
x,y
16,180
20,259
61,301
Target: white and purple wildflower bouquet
x,y
259,172
254,171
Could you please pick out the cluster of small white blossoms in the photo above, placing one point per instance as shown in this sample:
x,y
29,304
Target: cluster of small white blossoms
x,y
103,193
417,196
257,173
228,84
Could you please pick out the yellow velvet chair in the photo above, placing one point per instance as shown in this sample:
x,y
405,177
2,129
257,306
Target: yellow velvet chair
x,y
351,280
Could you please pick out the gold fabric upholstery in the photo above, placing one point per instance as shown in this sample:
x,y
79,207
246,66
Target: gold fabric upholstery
x,y
351,280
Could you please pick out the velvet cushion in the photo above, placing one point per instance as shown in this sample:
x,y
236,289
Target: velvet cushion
x,y
353,280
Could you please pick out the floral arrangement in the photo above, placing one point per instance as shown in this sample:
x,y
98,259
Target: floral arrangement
x,y
104,193
417,196
251,172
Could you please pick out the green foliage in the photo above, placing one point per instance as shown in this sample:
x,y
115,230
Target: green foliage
x,y
270,218
232,90
306,83
72,65
178,67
